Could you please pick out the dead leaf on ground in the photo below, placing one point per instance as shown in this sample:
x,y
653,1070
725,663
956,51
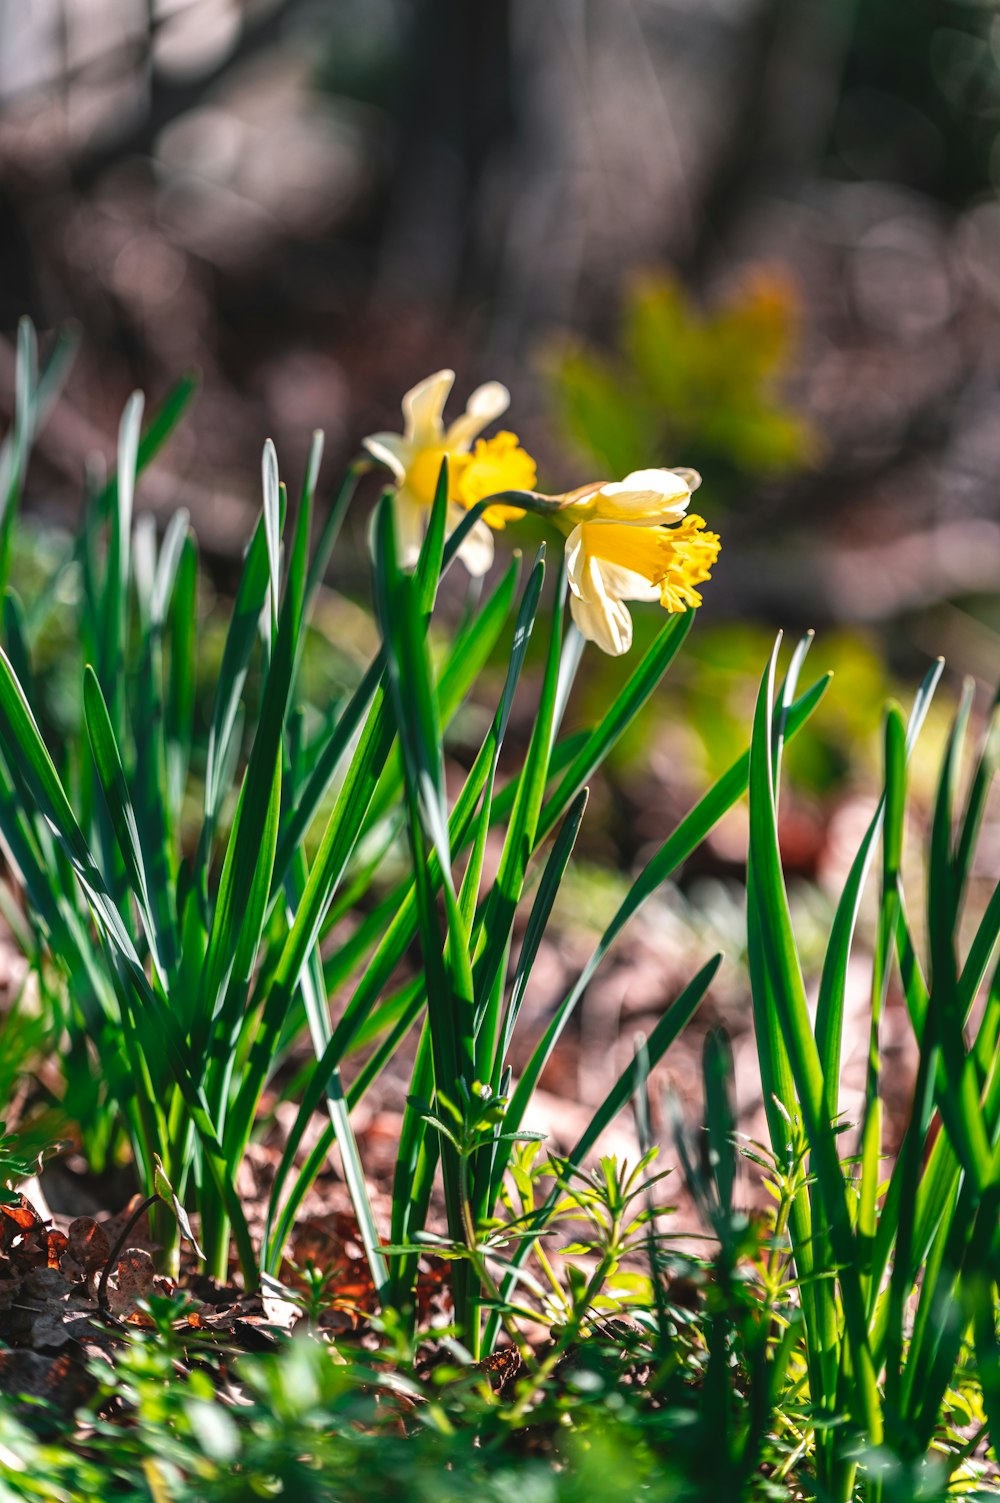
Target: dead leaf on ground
x,y
62,1382
131,1282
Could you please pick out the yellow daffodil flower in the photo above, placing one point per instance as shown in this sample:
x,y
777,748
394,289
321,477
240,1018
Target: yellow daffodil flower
x,y
631,540
492,466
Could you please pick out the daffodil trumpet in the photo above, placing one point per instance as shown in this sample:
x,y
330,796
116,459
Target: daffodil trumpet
x,y
630,540
626,540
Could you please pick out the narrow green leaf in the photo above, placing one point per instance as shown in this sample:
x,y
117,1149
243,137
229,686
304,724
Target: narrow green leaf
x,y
272,525
538,918
627,704
789,996
112,778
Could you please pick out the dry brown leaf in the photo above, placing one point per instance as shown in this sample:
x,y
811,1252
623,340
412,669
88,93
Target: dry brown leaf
x,y
131,1282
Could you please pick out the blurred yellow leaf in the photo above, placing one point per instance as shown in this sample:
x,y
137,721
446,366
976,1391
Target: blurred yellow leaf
x,y
689,385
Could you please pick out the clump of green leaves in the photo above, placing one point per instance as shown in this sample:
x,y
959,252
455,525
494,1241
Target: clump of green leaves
x,y
312,1425
184,959
184,884
896,1267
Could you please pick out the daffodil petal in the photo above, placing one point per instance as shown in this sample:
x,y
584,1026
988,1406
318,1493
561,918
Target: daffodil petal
x,y
626,584
605,622
592,578
390,449
485,405
476,551
423,410
643,496
575,559
659,481
410,515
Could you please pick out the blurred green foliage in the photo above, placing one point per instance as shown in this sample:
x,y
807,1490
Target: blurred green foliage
x,y
845,736
314,1427
688,386
705,708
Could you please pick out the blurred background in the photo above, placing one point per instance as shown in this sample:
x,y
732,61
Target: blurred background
x,y
759,237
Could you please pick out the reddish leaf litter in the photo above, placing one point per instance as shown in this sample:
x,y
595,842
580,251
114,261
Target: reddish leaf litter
x,y
55,1323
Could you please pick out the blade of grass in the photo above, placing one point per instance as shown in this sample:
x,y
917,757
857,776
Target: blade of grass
x,y
792,1017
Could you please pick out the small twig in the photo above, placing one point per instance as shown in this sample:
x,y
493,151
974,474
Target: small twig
x,y
102,1287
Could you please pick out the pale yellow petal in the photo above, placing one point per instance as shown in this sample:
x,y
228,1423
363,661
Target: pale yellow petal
x,y
575,560
390,449
423,410
476,551
605,622
410,516
626,584
643,496
486,404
